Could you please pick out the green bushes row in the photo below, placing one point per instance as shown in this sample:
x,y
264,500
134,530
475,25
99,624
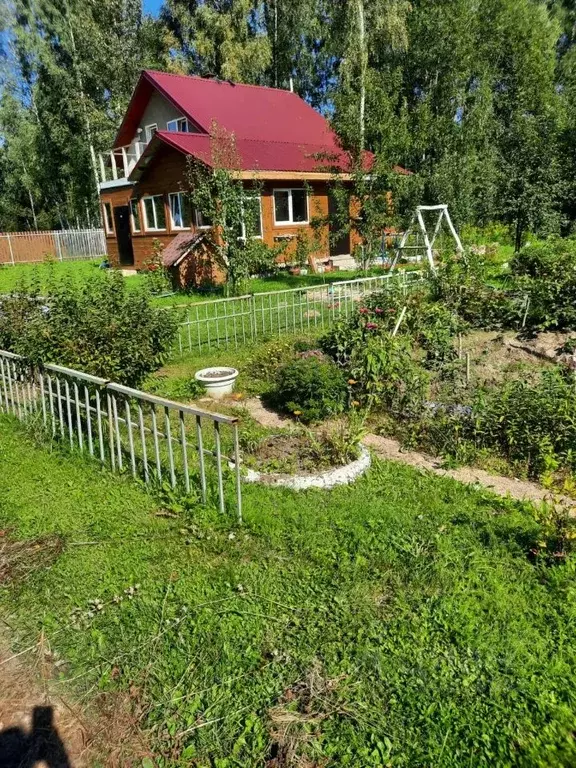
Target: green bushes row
x,y
532,426
99,327
540,293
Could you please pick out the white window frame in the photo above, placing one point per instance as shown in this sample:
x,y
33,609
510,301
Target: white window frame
x,y
290,222
180,122
108,222
147,226
132,224
148,131
180,196
200,226
243,225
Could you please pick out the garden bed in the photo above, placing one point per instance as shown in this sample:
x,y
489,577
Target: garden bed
x,y
301,461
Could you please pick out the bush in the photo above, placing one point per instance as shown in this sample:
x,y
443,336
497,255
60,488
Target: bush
x,y
531,426
462,285
99,327
385,375
546,273
310,388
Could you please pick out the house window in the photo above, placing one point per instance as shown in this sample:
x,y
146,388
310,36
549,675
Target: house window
x,y
202,221
107,214
154,212
182,125
135,215
180,213
290,206
150,130
252,219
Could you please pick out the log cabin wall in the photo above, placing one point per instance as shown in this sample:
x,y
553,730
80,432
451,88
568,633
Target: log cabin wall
x,y
167,172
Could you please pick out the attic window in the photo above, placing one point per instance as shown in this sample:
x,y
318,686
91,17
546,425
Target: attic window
x,y
181,125
150,130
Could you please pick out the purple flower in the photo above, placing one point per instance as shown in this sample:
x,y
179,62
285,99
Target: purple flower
x,y
371,326
378,311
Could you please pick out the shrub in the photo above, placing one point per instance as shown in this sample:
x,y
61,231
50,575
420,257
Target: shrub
x,y
462,285
310,388
546,272
157,276
99,327
532,426
385,375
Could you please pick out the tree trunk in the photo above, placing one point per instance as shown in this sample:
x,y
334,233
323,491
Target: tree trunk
x,y
363,64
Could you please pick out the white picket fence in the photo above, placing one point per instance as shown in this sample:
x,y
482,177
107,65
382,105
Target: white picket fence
x,y
60,245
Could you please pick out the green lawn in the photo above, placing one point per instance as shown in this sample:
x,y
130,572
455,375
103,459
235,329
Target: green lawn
x,y
398,622
10,277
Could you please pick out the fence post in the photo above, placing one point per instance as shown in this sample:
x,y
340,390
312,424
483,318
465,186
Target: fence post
x,y
58,245
11,251
253,323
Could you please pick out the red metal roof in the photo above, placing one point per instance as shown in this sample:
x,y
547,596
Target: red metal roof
x,y
262,155
249,111
274,130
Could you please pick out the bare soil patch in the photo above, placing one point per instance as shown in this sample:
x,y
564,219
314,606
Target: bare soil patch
x,y
40,723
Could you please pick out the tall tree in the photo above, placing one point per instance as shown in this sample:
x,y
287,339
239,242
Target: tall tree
x,y
76,64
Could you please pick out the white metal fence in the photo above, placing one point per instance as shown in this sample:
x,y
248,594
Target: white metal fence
x,y
157,440
242,319
64,245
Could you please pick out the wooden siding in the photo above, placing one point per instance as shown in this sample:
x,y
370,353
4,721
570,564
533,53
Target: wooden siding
x,y
167,173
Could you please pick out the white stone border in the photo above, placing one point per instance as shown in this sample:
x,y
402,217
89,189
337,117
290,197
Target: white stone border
x,y
329,479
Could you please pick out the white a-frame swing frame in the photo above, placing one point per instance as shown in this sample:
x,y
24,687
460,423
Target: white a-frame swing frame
x,y
418,225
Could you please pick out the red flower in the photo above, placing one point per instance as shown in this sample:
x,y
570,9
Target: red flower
x,y
371,326
363,310
378,311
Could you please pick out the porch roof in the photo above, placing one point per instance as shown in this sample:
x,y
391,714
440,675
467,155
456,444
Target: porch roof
x,y
256,157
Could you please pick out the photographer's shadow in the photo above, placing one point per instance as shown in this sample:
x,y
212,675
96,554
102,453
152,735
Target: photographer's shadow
x,y
21,749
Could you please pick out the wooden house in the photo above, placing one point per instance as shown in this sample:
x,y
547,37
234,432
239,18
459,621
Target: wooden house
x,y
281,143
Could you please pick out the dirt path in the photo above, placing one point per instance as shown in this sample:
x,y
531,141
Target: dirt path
x,y
523,490
38,723
390,449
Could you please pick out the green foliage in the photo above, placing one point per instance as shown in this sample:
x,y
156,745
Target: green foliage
x,y
157,276
529,423
546,272
462,285
311,388
99,327
386,375
233,210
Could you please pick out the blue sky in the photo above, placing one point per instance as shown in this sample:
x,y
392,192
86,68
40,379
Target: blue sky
x,y
152,6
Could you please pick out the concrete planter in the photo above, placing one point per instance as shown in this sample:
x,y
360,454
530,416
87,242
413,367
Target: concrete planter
x,y
329,479
219,381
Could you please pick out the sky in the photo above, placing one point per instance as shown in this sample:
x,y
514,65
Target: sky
x,y
152,6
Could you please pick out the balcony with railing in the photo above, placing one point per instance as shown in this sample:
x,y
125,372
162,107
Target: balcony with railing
x,y
116,164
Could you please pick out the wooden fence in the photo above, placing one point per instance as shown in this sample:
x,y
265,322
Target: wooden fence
x,y
64,245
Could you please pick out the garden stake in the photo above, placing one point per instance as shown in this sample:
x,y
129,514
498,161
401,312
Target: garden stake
x,y
399,321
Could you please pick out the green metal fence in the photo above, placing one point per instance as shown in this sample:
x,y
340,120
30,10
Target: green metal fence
x,y
242,319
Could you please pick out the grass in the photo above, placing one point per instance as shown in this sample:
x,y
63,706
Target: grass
x,y
174,379
11,276
397,622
